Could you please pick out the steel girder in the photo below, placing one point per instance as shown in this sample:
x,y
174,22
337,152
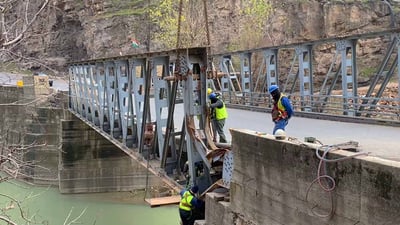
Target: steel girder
x,y
271,68
195,89
309,95
348,74
138,73
162,92
111,95
245,72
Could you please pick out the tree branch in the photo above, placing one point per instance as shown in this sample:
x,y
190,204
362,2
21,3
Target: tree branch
x,y
7,220
19,206
27,26
74,221
30,59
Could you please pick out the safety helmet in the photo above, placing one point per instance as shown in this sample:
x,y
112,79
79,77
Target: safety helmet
x,y
272,88
194,189
209,91
280,134
212,95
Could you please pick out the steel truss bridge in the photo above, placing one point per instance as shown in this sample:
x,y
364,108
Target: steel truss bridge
x,y
116,95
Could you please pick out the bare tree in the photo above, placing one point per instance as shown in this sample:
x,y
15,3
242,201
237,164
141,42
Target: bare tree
x,y
12,166
15,20
16,165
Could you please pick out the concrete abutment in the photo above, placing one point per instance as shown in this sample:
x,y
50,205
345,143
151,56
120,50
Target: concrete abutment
x,y
272,184
66,152
91,163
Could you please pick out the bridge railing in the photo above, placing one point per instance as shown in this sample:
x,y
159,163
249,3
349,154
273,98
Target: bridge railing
x,y
387,108
298,69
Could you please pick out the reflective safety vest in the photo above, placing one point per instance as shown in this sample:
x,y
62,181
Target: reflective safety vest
x,y
279,112
221,113
185,201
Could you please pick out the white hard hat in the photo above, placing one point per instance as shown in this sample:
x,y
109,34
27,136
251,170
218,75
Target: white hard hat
x,y
280,134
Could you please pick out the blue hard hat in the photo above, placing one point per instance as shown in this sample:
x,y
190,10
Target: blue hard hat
x,y
194,189
273,88
212,95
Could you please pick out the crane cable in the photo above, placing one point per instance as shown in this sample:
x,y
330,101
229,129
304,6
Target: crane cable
x,y
177,69
207,29
207,128
178,34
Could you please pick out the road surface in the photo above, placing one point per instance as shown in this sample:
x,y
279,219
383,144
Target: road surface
x,y
380,141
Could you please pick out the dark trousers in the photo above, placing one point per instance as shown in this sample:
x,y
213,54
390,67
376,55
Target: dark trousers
x,y
186,217
218,127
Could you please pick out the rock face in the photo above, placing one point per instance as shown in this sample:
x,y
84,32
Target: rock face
x,y
71,30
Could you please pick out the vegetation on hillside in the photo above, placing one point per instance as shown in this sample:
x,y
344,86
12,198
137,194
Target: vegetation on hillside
x,y
255,15
165,14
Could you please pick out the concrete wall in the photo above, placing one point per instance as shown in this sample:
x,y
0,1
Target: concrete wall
x,y
63,149
91,163
36,129
271,180
10,94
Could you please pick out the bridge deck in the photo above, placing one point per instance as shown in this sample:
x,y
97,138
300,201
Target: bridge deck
x,y
380,141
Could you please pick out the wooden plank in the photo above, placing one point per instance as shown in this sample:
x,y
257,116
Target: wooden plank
x,y
214,186
154,202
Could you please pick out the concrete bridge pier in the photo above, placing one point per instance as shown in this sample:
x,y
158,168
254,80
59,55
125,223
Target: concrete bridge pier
x,y
91,163
56,147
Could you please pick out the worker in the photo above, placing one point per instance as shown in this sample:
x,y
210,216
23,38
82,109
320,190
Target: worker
x,y
189,202
218,115
282,110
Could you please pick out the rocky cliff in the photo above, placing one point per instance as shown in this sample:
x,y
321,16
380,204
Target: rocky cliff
x,y
69,30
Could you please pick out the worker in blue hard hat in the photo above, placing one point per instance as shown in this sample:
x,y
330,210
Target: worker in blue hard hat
x,y
189,202
218,115
282,110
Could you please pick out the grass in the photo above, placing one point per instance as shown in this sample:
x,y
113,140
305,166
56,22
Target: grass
x,y
124,12
128,8
367,72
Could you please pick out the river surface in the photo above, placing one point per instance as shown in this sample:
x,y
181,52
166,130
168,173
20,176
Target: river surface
x,y
49,207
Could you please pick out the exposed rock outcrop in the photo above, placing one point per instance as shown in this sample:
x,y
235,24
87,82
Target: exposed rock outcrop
x,y
76,30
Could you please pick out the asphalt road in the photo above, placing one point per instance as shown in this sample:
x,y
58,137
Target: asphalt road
x,y
379,141
9,79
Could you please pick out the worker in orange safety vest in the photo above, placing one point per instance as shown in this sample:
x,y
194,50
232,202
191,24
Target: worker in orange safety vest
x,y
282,110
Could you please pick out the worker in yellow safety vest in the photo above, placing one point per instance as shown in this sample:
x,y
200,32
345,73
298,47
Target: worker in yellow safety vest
x,y
188,203
218,115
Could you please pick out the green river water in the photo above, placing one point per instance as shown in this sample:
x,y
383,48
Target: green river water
x,y
49,207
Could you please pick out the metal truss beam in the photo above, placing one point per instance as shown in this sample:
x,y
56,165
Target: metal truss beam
x,y
306,94
114,95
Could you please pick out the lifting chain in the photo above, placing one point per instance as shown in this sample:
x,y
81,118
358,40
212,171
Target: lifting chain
x,y
210,74
178,62
180,68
